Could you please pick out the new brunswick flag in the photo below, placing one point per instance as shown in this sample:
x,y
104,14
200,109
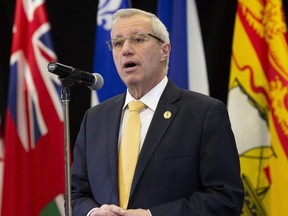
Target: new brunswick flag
x,y
34,151
258,104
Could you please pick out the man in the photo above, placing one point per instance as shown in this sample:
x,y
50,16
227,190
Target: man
x,y
187,162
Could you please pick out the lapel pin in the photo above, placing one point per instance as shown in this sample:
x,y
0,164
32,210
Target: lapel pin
x,y
167,115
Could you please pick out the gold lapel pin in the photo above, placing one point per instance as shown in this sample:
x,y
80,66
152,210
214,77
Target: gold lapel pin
x,y
167,115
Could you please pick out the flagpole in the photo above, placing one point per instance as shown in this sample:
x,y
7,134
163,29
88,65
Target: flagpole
x,y
65,97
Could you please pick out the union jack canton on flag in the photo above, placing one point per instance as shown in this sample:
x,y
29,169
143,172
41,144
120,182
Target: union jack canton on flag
x,y
34,151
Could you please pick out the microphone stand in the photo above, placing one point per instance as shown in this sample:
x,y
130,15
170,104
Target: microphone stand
x,y
65,97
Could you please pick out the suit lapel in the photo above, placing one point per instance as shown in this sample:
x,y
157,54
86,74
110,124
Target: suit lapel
x,y
163,116
112,127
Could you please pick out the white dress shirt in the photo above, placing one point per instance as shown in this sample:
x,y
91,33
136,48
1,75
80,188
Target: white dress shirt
x,y
151,100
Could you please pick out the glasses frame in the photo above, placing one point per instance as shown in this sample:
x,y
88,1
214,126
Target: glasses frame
x,y
110,41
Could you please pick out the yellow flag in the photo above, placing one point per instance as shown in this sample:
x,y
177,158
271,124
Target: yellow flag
x,y
258,104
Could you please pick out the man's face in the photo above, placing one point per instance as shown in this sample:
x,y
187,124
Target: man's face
x,y
140,66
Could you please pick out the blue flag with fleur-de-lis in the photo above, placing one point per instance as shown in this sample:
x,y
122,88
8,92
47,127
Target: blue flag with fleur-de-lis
x,y
103,60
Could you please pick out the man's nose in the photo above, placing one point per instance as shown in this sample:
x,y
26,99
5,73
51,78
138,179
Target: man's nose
x,y
127,48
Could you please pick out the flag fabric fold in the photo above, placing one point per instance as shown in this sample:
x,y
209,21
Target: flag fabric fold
x,y
187,64
258,105
103,60
1,163
34,151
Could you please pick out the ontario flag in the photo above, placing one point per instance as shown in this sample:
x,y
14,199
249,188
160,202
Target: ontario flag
x,y
258,104
34,151
103,60
1,163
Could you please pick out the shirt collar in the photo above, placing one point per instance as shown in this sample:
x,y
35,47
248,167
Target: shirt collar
x,y
150,99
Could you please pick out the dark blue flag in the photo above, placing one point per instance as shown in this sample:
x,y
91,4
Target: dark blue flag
x,y
187,67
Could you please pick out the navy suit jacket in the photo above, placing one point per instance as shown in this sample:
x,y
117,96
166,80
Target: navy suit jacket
x,y
188,164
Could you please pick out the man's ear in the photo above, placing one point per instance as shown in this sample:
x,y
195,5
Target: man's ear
x,y
166,49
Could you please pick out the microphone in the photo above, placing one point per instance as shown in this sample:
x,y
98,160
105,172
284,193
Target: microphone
x,y
94,81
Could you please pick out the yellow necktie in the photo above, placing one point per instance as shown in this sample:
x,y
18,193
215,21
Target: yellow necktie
x,y
129,151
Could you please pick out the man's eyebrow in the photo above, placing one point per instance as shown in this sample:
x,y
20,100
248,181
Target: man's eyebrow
x,y
118,36
138,31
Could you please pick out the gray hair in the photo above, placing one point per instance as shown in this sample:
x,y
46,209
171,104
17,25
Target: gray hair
x,y
158,28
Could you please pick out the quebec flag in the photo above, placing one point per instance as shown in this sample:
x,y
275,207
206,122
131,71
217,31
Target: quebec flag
x,y
103,60
187,66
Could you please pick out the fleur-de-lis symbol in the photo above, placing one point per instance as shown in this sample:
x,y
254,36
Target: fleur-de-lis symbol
x,y
105,10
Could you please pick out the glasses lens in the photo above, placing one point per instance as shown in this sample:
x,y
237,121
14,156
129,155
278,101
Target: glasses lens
x,y
137,39
118,42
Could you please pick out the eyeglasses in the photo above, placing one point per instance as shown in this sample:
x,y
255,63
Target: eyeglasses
x,y
136,39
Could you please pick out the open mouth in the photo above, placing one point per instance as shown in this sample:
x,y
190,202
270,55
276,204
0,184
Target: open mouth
x,y
130,64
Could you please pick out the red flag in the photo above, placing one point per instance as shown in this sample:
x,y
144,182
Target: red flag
x,y
34,151
1,162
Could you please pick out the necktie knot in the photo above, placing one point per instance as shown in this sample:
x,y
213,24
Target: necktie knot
x,y
136,106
